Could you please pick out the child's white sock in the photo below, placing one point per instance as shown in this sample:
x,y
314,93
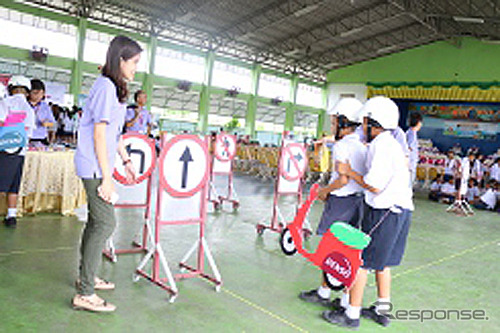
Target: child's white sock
x,y
11,212
344,301
382,305
324,292
353,312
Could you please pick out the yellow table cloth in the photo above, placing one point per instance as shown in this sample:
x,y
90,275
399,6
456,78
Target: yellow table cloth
x,y
49,184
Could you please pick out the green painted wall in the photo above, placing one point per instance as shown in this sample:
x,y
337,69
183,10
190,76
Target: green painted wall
x,y
441,61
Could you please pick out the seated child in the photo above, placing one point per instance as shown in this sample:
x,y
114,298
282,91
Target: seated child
x,y
488,200
448,192
472,192
436,188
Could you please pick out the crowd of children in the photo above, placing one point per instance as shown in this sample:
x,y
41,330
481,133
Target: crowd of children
x,y
480,182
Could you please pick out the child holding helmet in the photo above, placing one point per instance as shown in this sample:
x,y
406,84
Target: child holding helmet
x,y
389,204
343,197
15,110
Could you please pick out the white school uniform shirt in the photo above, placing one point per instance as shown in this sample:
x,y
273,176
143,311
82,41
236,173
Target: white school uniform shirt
x,y
435,186
448,188
387,172
489,198
349,150
472,193
495,172
477,169
450,166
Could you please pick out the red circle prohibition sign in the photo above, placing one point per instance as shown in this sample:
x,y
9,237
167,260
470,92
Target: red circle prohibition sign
x,y
221,140
163,181
121,178
284,169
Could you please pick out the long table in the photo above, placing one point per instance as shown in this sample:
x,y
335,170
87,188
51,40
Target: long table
x,y
49,184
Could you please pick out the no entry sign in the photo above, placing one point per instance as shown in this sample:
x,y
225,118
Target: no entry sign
x,y
142,153
293,161
184,165
225,147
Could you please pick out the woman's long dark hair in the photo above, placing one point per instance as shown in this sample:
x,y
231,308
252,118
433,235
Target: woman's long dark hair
x,y
121,47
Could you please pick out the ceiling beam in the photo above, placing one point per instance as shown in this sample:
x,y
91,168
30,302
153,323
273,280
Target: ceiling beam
x,y
267,16
339,27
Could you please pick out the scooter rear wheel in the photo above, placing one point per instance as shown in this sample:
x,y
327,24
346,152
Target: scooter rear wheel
x,y
332,282
286,243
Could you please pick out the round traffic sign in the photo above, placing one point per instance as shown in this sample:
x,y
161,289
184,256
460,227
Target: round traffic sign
x,y
225,147
142,153
184,165
293,161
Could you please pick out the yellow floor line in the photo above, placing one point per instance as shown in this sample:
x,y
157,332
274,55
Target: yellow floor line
x,y
261,309
439,261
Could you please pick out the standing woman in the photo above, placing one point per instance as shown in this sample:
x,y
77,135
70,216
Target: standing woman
x,y
98,142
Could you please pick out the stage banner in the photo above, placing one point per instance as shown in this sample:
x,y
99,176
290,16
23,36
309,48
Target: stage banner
x,y
483,112
469,129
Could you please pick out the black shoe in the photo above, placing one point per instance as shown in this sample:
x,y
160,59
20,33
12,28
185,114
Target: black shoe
x,y
10,222
340,318
370,313
312,296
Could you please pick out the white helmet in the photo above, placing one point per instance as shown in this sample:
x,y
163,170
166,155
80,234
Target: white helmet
x,y
348,107
20,81
383,110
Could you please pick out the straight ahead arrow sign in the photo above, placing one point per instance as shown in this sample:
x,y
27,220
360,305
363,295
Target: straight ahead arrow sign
x,y
186,158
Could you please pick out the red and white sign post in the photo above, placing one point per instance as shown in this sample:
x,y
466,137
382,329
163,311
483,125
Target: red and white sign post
x,y
143,156
182,191
292,164
222,165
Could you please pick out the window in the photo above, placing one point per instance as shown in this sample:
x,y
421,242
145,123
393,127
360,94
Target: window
x,y
179,65
96,47
229,76
309,95
274,87
26,31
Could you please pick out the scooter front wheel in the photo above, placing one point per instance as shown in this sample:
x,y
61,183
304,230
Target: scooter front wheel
x,y
332,282
286,243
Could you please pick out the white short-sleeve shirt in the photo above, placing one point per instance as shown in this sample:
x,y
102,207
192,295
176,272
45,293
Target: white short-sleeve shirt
x,y
387,172
349,150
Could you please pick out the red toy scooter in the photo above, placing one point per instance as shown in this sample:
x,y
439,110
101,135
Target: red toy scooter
x,y
339,251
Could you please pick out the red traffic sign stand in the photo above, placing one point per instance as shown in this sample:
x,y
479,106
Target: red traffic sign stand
x,y
143,156
184,171
292,164
222,165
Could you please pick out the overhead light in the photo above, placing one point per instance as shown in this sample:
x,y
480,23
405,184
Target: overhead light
x,y
247,35
331,64
386,49
468,19
186,17
306,10
350,32
490,41
292,52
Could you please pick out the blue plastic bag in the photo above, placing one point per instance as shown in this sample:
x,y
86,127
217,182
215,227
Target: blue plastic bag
x,y
12,136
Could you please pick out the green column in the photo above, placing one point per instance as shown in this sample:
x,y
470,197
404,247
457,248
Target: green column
x,y
290,109
76,75
252,102
149,78
322,112
205,93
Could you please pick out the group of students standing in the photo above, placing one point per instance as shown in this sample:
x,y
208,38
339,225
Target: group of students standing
x,y
374,163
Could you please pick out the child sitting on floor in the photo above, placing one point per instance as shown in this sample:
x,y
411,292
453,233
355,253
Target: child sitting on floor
x,y
436,188
488,200
448,192
472,192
